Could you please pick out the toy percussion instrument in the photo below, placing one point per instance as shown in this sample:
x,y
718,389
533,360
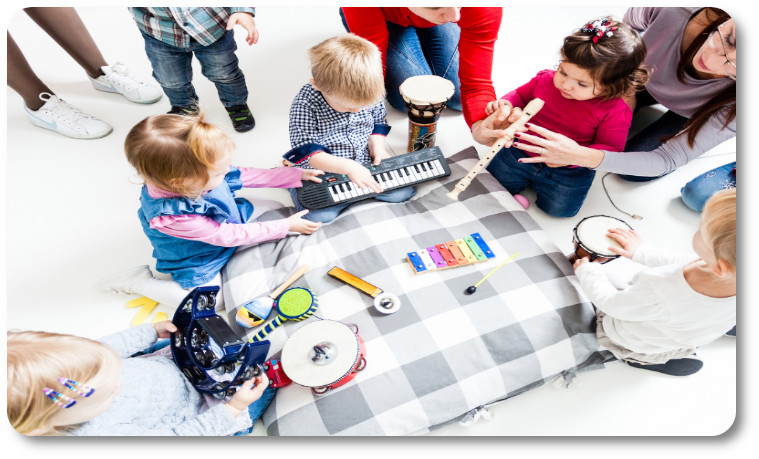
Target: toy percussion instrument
x,y
531,109
295,304
451,254
384,302
209,353
392,173
425,97
591,240
254,313
323,355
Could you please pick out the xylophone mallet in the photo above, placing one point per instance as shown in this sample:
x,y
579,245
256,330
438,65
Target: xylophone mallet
x,y
531,109
473,288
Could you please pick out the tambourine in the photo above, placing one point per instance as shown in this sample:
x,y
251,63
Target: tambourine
x,y
425,96
295,304
591,240
323,355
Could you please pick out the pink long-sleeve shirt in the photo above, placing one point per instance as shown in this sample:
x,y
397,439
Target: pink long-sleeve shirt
x,y
595,123
202,228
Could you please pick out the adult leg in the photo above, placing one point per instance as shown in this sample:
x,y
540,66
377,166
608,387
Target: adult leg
x,y
22,79
696,192
219,64
649,138
561,191
404,59
66,27
172,68
440,45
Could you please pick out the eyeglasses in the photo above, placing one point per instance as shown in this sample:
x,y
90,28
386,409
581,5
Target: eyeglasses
x,y
728,65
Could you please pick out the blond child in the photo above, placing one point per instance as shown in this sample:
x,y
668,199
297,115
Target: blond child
x,y
68,385
681,302
338,120
188,208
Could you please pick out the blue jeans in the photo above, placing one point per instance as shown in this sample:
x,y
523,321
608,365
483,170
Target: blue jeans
x,y
696,192
649,138
328,214
172,68
560,190
413,51
257,408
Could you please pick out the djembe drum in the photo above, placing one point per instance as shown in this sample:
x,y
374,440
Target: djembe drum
x,y
425,97
591,240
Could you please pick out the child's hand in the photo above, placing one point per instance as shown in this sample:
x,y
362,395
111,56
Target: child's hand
x,y
361,176
580,261
311,174
164,327
378,154
247,393
628,239
246,21
491,107
301,225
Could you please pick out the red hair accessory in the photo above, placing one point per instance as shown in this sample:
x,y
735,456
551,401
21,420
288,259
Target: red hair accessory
x,y
600,28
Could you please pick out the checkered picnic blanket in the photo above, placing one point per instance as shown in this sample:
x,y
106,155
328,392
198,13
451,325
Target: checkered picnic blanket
x,y
444,353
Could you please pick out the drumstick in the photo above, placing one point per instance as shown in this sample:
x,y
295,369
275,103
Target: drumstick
x,y
531,109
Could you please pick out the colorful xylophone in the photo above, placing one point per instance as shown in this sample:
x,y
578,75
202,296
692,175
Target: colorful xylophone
x,y
459,252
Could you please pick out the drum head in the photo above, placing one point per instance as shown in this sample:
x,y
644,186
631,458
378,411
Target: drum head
x,y
295,302
425,90
338,352
592,232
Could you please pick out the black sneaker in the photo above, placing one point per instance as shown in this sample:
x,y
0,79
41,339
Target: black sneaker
x,y
675,367
731,332
242,118
184,111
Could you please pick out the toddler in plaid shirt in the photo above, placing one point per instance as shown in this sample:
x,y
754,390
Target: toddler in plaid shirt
x,y
338,120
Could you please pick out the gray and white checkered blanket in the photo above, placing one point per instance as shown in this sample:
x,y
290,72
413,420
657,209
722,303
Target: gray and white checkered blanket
x,y
444,353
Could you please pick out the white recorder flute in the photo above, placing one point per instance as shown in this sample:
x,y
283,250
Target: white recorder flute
x,y
532,108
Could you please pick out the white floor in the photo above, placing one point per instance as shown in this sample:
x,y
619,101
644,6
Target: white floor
x,y
71,214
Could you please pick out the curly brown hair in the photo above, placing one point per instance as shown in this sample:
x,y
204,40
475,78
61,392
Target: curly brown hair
x,y
614,61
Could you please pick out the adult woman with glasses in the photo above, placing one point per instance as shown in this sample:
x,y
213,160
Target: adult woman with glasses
x,y
692,54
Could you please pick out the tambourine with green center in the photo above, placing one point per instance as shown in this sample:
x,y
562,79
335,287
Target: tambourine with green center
x,y
296,304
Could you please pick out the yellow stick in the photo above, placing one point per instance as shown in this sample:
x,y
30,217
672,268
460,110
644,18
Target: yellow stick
x,y
495,269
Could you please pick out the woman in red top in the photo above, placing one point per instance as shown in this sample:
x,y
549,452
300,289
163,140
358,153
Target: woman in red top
x,y
452,42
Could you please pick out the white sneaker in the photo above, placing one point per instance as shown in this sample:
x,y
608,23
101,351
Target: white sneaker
x,y
124,282
66,119
117,79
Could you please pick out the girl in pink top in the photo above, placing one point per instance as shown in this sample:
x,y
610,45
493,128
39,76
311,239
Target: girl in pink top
x,y
188,207
599,64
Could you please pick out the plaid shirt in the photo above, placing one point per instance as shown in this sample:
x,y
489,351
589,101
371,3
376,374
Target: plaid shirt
x,y
179,26
317,127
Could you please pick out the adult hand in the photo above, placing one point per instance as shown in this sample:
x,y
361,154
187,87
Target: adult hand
x,y
246,21
556,149
492,128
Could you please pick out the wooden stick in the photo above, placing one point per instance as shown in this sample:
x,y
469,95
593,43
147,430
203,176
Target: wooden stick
x,y
531,109
299,272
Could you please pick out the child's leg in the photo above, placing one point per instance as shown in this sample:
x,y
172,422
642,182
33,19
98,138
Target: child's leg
x,y
513,175
441,48
220,65
561,190
325,215
257,408
696,192
66,27
172,68
398,195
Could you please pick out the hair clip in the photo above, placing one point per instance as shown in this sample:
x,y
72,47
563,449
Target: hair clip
x,y
61,400
600,28
79,388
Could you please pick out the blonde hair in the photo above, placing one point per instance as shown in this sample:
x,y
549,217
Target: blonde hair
x,y
36,360
718,225
349,67
170,151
